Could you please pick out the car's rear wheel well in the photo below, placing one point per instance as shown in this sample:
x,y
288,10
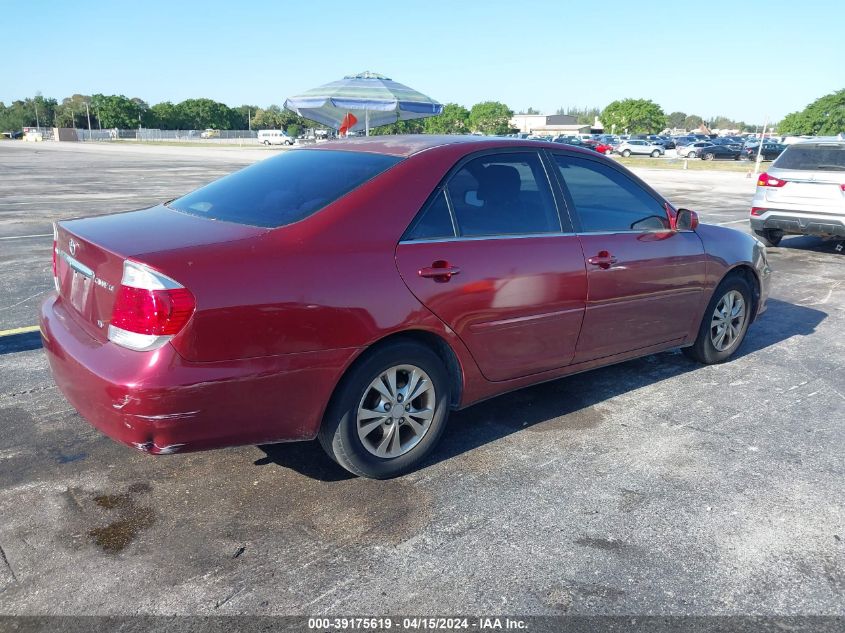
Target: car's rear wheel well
x,y
747,272
433,342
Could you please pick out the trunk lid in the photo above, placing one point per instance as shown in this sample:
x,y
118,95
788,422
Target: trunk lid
x,y
90,253
811,187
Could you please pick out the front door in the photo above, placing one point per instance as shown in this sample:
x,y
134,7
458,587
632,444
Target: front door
x,y
489,257
645,281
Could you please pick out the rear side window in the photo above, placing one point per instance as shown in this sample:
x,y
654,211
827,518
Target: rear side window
x,y
503,194
607,200
812,157
284,189
434,222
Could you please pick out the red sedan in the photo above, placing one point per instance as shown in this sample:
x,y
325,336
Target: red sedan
x,y
359,291
598,146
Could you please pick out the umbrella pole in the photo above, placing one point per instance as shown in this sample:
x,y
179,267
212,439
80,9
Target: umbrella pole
x,y
367,120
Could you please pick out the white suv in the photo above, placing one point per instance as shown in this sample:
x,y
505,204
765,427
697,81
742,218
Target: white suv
x,y
639,146
802,193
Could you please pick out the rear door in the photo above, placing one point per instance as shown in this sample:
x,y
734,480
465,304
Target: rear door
x,y
645,282
489,256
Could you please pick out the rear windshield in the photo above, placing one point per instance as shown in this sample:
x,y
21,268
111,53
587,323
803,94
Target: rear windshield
x,y
284,189
822,157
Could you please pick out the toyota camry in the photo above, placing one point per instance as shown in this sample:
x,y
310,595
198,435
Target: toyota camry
x,y
359,291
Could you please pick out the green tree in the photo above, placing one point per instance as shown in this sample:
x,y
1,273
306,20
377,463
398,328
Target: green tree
x,y
490,117
692,122
824,116
269,118
115,111
242,116
165,116
414,126
199,114
453,120
634,115
676,119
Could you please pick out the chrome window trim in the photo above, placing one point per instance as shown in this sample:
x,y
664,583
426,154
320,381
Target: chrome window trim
x,y
477,238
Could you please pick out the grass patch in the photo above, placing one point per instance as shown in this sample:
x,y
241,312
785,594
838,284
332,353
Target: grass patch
x,y
742,166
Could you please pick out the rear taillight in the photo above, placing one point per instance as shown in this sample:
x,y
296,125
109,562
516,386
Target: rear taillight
x,y
757,210
765,180
55,257
150,308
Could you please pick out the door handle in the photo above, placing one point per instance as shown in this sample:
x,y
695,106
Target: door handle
x,y
441,271
603,260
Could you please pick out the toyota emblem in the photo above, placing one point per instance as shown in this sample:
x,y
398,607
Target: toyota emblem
x,y
72,246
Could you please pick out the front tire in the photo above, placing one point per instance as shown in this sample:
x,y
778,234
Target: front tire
x,y
389,411
655,154
769,237
725,322
708,156
626,153
691,155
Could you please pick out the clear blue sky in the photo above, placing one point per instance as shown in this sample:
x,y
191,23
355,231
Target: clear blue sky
x,y
705,58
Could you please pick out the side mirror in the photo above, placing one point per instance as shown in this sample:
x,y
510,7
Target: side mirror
x,y
686,220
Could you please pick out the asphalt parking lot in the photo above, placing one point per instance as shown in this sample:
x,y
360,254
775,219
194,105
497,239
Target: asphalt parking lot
x,y
652,487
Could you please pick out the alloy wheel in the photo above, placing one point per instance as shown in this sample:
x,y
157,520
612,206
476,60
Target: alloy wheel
x,y
728,320
396,411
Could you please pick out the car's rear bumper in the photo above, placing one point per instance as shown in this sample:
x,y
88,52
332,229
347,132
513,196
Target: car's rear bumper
x,y
160,403
801,223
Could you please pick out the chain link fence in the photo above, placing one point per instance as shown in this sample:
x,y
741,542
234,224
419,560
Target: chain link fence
x,y
225,137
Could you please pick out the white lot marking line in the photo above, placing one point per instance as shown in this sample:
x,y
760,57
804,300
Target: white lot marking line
x,y
731,222
21,237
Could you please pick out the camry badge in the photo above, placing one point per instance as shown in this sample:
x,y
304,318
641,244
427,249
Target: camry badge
x,y
72,246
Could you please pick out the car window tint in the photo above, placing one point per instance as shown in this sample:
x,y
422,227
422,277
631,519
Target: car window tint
x,y
822,157
284,189
503,194
435,221
607,200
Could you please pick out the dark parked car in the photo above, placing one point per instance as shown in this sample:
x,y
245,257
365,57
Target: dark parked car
x,y
360,291
710,152
770,151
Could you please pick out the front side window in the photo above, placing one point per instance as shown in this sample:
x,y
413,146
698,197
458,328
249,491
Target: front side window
x,y
607,200
503,194
284,189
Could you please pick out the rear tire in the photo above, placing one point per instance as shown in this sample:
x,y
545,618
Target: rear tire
x,y
708,156
725,322
626,153
655,154
769,237
380,429
691,155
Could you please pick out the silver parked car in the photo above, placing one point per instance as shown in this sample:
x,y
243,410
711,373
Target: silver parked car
x,y
693,149
639,146
802,193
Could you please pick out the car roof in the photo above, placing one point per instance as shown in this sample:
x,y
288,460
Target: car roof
x,y
410,144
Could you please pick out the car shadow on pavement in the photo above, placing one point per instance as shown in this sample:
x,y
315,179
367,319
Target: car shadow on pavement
x,y
306,458
565,402
20,342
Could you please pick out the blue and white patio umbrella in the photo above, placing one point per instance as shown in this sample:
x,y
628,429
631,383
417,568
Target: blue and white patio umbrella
x,y
371,98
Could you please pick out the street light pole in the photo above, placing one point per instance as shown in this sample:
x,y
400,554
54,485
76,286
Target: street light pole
x,y
88,114
760,148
